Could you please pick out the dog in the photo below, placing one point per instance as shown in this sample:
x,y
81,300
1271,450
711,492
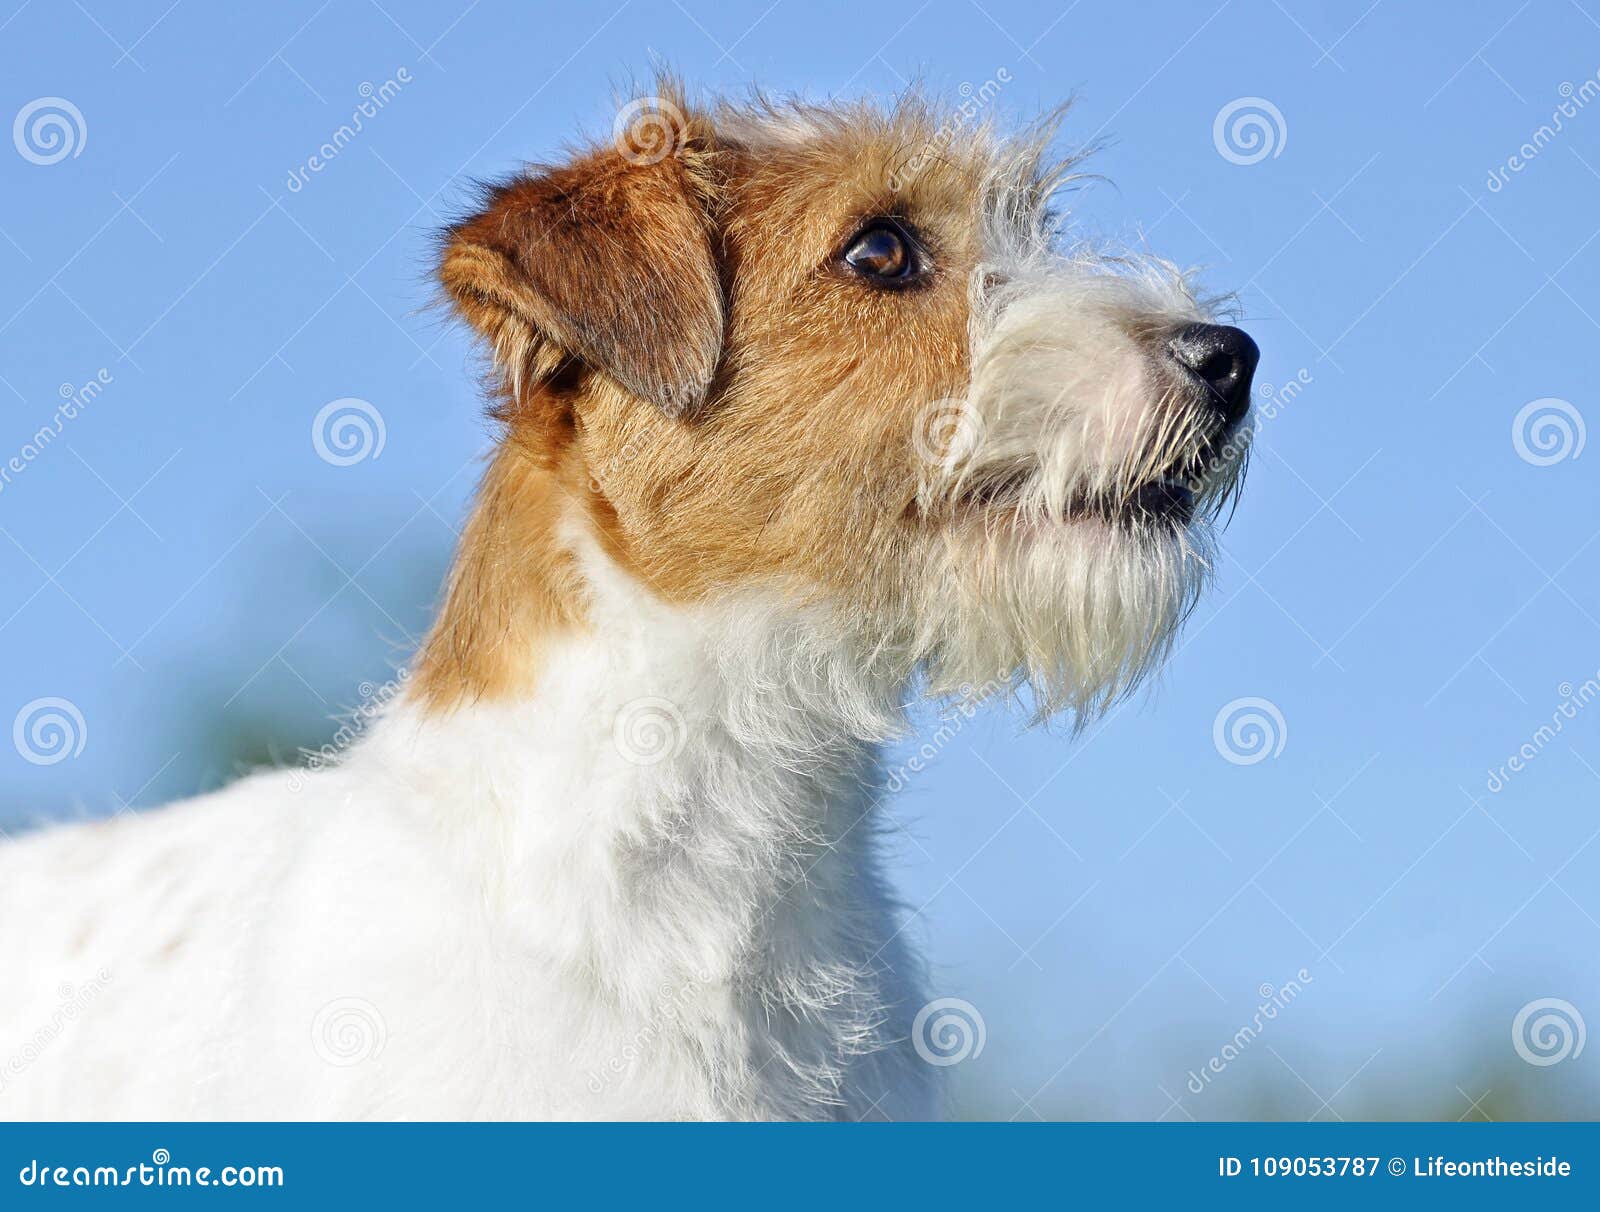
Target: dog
x,y
804,409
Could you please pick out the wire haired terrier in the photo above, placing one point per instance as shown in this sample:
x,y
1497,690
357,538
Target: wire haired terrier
x,y
802,406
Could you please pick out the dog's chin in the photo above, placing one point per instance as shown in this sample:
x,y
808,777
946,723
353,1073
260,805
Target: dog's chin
x,y
1079,602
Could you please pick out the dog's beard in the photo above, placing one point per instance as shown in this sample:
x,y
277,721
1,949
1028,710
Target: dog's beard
x,y
1073,494
1079,613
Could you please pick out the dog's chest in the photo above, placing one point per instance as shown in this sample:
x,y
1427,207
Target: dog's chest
x,y
728,946
703,935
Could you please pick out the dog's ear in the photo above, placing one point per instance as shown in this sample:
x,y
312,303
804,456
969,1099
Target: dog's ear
x,y
607,259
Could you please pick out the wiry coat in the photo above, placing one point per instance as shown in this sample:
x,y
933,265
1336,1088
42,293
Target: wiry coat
x,y
613,850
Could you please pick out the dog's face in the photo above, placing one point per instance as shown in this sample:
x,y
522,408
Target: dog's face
x,y
840,353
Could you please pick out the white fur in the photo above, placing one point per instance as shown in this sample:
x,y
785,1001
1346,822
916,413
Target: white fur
x,y
515,911
1072,389
651,889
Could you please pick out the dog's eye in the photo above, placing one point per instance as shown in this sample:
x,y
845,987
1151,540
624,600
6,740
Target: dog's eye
x,y
883,252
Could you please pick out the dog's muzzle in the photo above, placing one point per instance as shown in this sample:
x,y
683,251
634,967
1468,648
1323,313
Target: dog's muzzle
x,y
1223,359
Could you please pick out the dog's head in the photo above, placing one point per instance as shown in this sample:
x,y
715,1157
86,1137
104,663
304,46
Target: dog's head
x,y
846,353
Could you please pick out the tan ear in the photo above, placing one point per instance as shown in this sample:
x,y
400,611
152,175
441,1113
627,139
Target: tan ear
x,y
609,260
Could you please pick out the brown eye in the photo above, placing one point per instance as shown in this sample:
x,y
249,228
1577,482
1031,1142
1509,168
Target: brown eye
x,y
882,252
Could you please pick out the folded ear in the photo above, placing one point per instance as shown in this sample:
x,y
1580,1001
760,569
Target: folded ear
x,y
609,260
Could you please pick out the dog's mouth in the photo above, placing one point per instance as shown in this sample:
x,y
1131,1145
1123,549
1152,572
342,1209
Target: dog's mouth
x,y
1166,501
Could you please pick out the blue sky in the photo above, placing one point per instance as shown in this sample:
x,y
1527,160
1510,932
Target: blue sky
x,y
1409,583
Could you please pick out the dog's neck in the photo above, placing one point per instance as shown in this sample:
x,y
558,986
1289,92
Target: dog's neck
x,y
541,581
644,723
665,796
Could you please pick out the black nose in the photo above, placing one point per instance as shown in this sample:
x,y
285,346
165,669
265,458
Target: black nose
x,y
1224,359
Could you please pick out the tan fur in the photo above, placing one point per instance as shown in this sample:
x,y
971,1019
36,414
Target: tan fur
x,y
685,372
512,586
796,461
